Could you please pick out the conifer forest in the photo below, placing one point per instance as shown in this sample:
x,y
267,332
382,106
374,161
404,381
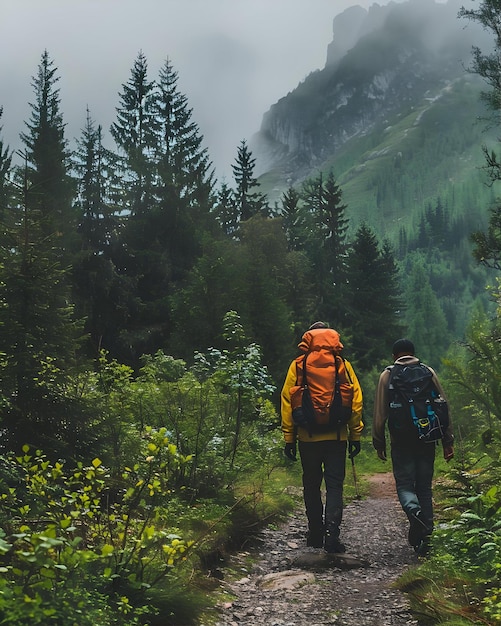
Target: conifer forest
x,y
148,315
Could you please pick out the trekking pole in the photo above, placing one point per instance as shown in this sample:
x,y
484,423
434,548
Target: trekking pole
x,y
359,497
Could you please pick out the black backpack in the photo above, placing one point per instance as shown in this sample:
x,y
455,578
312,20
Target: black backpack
x,y
416,409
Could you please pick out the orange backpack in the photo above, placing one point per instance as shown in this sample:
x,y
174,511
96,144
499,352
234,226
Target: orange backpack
x,y
322,398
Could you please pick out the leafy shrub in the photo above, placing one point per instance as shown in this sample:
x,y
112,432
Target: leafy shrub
x,y
466,549
80,552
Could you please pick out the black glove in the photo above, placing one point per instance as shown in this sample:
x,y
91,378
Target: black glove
x,y
290,451
353,449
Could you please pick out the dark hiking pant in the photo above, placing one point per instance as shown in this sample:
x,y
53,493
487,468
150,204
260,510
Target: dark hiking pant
x,y
413,466
323,460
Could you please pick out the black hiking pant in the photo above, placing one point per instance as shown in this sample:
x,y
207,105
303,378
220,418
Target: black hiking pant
x,y
323,460
413,465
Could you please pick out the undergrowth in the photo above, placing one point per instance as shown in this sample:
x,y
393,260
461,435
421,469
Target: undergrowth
x,y
460,583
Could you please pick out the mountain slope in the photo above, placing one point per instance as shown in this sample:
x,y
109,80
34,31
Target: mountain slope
x,y
393,113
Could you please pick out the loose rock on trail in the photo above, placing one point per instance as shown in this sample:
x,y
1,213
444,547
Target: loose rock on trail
x,y
292,585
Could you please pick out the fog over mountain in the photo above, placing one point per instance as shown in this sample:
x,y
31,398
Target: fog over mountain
x,y
382,63
235,59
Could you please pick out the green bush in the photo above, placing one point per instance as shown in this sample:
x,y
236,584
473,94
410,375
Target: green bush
x,y
79,550
466,547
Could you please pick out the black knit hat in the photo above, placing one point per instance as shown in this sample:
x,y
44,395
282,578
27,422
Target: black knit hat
x,y
403,346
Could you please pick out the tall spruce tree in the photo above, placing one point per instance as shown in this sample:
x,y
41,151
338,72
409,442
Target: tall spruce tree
x,y
374,300
332,219
184,177
97,190
325,222
99,291
46,151
135,137
225,209
300,278
250,201
312,197
291,217
37,332
183,165
135,132
162,237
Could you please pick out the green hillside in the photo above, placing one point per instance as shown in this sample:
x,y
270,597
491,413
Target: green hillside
x,y
434,150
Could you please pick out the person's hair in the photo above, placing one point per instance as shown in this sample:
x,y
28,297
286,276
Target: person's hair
x,y
403,346
318,325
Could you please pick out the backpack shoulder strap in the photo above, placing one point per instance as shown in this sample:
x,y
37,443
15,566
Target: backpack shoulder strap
x,y
301,362
343,361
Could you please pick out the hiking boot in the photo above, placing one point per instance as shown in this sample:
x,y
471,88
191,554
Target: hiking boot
x,y
423,548
332,545
333,518
315,538
417,529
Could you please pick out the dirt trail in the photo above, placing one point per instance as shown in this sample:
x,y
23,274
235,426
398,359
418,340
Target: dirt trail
x,y
291,585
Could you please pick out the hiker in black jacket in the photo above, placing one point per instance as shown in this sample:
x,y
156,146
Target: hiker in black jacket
x,y
412,458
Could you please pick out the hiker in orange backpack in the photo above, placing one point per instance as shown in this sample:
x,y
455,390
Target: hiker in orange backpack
x,y
321,407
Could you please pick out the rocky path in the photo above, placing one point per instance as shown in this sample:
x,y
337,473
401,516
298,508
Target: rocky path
x,y
291,585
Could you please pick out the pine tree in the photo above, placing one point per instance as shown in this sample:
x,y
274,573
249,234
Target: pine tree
x,y
172,194
291,218
423,237
184,190
38,333
439,223
324,220
374,301
403,242
51,187
92,163
249,200
99,292
184,168
134,133
225,210
332,218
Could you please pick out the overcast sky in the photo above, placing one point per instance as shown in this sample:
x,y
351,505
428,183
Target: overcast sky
x,y
235,58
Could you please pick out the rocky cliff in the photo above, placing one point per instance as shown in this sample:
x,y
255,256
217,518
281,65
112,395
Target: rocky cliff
x,y
381,64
